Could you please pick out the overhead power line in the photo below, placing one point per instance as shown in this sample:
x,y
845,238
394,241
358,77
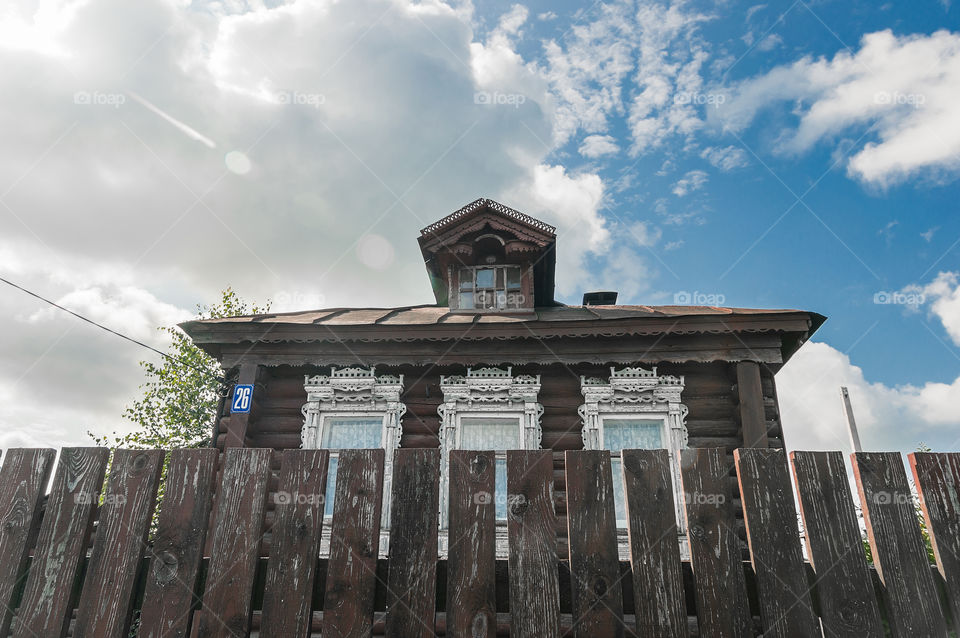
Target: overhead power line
x,y
178,360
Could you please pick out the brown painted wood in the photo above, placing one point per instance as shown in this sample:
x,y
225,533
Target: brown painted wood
x,y
64,532
654,548
178,547
786,607
899,555
238,424
752,417
471,595
848,604
531,527
296,530
23,481
106,599
723,610
237,528
937,477
592,530
354,545
412,581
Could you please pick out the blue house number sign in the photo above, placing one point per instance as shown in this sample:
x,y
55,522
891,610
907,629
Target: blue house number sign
x,y
242,398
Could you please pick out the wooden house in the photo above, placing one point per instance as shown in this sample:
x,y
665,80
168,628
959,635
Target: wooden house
x,y
497,363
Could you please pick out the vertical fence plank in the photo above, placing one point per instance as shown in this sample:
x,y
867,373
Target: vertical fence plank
x,y
237,529
786,607
22,483
292,567
532,531
178,548
106,599
898,551
412,580
723,610
937,477
592,531
848,604
64,532
471,597
658,595
354,545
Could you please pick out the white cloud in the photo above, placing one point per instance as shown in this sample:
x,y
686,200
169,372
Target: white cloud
x,y
906,87
594,146
726,158
943,298
692,181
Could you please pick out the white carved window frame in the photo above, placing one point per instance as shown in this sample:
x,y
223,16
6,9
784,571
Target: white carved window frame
x,y
636,393
356,392
486,393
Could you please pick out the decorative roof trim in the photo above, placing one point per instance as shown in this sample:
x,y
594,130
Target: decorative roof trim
x,y
483,202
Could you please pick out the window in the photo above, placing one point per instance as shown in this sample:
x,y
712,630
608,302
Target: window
x,y
353,408
490,288
635,409
488,409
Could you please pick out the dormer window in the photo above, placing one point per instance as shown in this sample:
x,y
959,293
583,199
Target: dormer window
x,y
490,287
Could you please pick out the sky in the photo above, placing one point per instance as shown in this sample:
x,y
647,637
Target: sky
x,y
783,155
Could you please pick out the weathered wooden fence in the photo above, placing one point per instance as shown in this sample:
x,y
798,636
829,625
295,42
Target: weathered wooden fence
x,y
83,561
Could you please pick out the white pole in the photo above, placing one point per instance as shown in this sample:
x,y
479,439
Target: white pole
x,y
851,422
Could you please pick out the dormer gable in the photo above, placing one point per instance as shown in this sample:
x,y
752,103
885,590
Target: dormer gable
x,y
487,257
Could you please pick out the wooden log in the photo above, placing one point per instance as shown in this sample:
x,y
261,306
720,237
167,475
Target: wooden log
x,y
937,477
64,532
592,532
170,590
414,510
899,555
750,393
848,605
292,567
786,607
106,599
659,601
238,522
720,587
23,481
354,545
471,596
531,527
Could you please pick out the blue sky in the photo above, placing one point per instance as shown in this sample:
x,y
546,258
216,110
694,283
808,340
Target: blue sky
x,y
798,155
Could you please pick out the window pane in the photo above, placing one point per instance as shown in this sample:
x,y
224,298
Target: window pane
x,y
352,432
466,300
485,278
480,433
618,499
513,278
500,284
628,434
466,279
500,483
331,486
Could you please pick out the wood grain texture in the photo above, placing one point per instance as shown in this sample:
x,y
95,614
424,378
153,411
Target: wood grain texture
x,y
531,527
106,599
354,545
659,602
22,483
848,604
237,528
178,547
592,530
937,477
296,530
471,577
723,610
64,533
752,418
786,607
899,555
412,581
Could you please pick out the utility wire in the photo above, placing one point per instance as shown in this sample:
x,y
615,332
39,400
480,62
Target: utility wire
x,y
218,379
